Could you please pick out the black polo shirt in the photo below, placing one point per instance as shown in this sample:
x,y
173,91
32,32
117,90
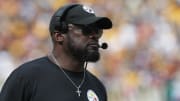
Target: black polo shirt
x,y
42,80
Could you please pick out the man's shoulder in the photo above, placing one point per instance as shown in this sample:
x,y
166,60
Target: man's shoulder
x,y
35,62
33,67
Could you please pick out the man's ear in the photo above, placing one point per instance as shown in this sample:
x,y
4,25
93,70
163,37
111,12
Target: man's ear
x,y
58,37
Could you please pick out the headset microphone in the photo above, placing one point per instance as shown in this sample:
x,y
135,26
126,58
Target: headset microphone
x,y
104,45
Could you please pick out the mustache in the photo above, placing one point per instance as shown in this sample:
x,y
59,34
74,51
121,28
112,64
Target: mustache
x,y
93,44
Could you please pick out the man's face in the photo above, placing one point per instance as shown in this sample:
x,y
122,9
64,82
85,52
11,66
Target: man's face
x,y
83,42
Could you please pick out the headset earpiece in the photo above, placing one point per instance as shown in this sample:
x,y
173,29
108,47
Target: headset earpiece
x,y
60,26
60,17
64,27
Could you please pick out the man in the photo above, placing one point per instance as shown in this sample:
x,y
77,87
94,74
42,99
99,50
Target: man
x,y
62,75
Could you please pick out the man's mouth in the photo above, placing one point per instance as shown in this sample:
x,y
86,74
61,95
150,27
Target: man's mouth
x,y
93,46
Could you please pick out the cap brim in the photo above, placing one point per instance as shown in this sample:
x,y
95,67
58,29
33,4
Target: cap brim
x,y
102,22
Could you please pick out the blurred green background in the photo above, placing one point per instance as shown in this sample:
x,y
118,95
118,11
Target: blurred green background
x,y
143,59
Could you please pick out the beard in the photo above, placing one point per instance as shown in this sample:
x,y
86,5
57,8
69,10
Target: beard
x,y
92,55
84,54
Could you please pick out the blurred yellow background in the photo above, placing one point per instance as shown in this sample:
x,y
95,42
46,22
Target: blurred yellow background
x,y
141,63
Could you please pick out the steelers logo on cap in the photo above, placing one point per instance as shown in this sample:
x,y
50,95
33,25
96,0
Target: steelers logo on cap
x,y
88,9
91,95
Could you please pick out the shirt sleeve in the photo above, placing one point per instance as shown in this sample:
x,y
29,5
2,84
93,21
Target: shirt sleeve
x,y
16,88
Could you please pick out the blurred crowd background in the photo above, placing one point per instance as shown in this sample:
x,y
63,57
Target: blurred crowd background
x,y
141,63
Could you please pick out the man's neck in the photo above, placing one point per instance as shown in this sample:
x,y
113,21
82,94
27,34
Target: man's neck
x,y
67,62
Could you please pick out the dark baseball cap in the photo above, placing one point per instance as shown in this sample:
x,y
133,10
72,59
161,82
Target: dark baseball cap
x,y
81,15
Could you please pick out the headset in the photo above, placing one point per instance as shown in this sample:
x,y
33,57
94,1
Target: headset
x,y
60,17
